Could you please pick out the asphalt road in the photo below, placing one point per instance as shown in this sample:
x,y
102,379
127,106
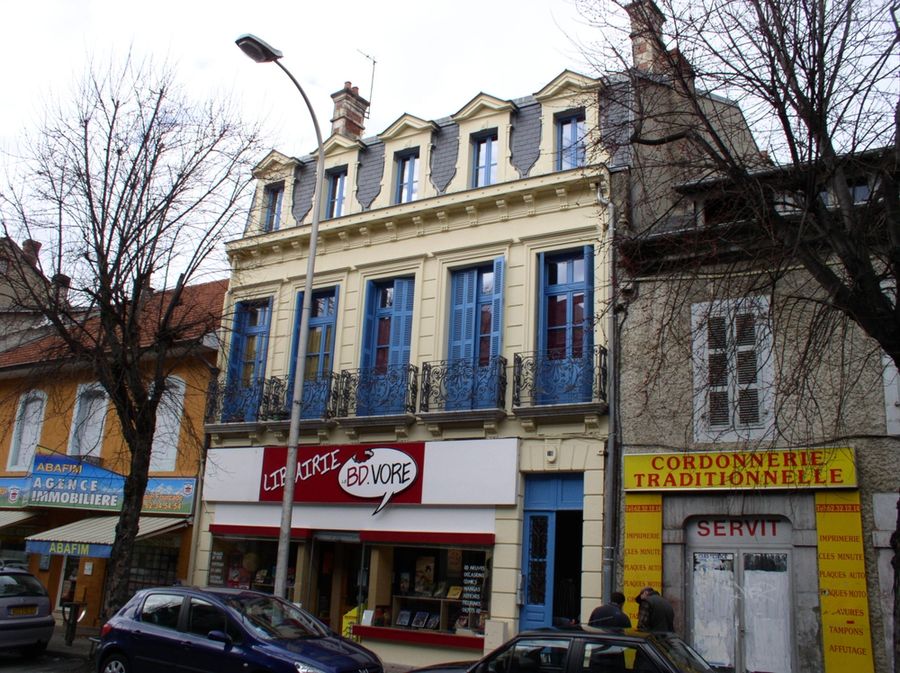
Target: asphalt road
x,y
47,663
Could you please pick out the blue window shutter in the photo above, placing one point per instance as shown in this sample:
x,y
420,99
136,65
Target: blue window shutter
x,y
368,341
497,309
237,343
542,302
295,341
462,314
263,331
401,321
589,296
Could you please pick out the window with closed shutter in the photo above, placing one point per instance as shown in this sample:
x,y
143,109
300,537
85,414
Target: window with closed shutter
x,y
732,371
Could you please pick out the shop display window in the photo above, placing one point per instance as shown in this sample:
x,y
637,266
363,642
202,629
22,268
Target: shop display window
x,y
438,589
246,564
154,563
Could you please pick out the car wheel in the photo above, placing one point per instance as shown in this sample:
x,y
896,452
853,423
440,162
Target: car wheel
x,y
115,663
35,650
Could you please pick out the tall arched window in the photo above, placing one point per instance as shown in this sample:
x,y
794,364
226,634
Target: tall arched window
x,y
27,433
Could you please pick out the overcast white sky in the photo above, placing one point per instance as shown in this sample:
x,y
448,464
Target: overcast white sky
x,y
432,57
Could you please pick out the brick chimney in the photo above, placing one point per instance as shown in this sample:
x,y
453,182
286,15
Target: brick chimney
x,y
61,283
30,251
349,112
646,35
682,68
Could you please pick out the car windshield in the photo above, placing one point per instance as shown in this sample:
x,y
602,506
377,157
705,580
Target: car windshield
x,y
683,655
15,584
273,619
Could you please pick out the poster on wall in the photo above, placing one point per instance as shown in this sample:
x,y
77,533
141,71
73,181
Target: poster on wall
x,y
643,547
424,575
846,634
217,568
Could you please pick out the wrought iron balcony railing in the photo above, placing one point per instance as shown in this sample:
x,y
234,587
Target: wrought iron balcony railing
x,y
270,400
319,398
383,391
458,385
233,402
546,378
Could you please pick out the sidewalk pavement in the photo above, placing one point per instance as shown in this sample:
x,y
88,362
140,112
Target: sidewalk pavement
x,y
81,647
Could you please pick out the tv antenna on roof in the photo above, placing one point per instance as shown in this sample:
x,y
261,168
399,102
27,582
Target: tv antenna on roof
x,y
371,82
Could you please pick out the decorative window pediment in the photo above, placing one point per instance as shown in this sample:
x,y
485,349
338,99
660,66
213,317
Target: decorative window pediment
x,y
567,83
407,125
483,104
337,144
274,164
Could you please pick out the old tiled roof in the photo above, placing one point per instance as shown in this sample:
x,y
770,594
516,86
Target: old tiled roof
x,y
199,313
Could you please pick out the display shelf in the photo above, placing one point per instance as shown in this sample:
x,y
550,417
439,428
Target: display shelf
x,y
407,612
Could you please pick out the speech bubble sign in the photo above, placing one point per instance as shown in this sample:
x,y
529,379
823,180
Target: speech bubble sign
x,y
378,473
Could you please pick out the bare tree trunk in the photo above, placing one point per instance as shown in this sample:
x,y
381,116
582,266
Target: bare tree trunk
x,y
122,553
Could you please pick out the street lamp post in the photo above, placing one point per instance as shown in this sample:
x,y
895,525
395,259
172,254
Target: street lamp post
x,y
261,52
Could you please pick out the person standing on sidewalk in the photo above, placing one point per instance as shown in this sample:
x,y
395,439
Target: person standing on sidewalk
x,y
611,614
655,613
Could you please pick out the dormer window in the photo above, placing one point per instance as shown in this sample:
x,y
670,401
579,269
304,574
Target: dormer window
x,y
725,209
273,195
337,180
859,191
407,176
484,159
570,140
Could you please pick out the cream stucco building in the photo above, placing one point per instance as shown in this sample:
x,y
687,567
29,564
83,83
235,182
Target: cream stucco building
x,y
451,462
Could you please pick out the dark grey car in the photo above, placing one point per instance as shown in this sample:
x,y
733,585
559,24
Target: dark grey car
x,y
583,649
26,618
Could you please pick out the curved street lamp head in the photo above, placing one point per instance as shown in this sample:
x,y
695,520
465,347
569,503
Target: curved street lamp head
x,y
259,50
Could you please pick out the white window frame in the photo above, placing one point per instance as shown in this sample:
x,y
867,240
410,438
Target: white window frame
x,y
86,391
17,459
164,453
729,308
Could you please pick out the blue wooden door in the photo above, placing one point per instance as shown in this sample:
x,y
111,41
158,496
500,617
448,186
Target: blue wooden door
x,y
537,569
545,496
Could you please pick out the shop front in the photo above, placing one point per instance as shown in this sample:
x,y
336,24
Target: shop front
x,y
70,507
393,544
761,554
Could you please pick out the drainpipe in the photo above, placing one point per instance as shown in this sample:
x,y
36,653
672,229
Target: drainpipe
x,y
611,457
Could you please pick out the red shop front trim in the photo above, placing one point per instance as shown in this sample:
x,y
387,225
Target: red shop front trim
x,y
257,531
427,537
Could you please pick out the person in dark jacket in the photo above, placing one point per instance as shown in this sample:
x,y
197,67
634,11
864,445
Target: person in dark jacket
x,y
611,614
655,613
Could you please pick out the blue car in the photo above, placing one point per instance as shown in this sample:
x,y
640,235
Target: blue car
x,y
223,631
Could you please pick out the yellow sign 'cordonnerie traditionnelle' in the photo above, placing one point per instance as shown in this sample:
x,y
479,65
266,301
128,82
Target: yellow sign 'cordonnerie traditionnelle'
x,y
787,468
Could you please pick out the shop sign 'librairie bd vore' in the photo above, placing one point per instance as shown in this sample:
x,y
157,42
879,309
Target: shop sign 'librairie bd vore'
x,y
815,468
348,474
58,480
